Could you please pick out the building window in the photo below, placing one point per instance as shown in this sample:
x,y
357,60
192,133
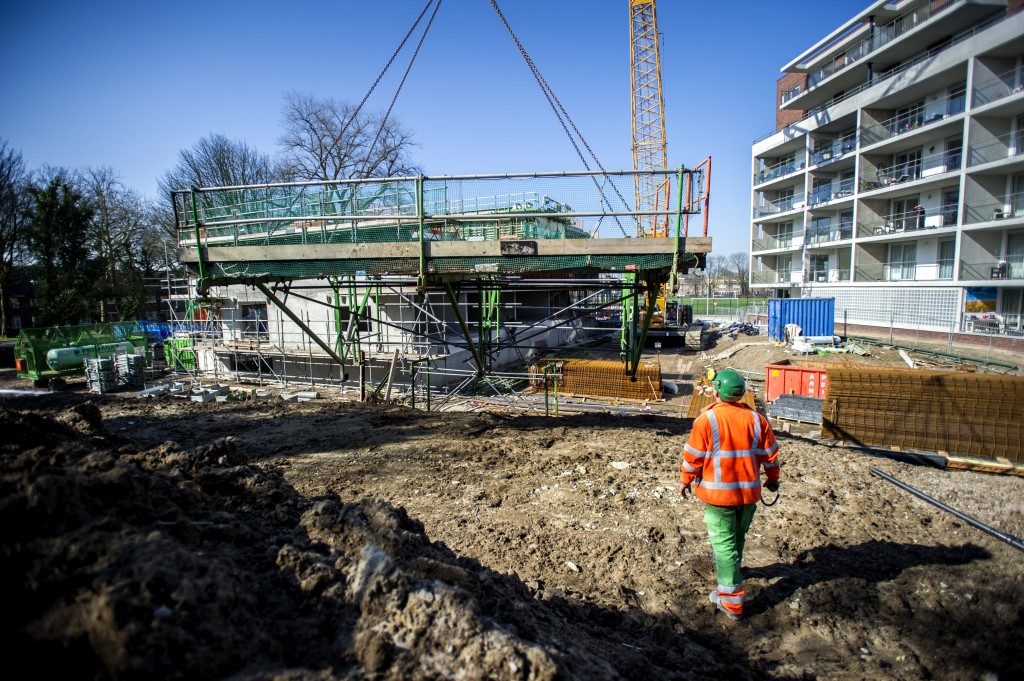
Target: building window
x,y
819,268
947,253
908,118
846,225
785,235
950,205
907,166
904,214
15,322
15,303
902,262
957,99
954,153
1015,255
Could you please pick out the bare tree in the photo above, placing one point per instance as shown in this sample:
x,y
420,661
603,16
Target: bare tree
x,y
325,139
216,161
715,268
118,234
13,195
740,263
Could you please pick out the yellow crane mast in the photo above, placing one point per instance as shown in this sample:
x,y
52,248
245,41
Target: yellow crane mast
x,y
649,147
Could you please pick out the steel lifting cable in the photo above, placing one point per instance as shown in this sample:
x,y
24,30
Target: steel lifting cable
x,y
556,107
408,68
387,66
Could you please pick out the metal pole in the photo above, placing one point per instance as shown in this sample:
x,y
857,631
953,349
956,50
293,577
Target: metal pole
x,y
1002,536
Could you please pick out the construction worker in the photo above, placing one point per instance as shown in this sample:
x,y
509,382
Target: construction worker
x,y
727,447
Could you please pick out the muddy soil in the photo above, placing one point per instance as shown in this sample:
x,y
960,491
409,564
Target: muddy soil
x,y
163,538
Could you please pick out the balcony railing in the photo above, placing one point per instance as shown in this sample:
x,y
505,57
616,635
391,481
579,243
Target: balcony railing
x,y
997,149
831,191
909,221
828,275
995,209
1009,267
882,35
769,243
903,67
933,164
776,171
837,150
823,234
903,123
996,88
770,277
769,208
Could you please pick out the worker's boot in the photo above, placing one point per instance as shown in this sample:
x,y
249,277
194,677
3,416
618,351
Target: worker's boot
x,y
713,597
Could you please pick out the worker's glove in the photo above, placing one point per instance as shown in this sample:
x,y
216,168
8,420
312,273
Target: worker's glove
x,y
771,485
684,491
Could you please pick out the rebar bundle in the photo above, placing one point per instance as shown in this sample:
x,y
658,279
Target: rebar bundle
x,y
599,378
948,411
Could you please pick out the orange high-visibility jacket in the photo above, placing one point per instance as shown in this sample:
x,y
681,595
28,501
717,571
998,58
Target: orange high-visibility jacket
x,y
728,445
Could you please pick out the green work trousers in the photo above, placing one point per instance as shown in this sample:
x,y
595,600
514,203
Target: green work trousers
x,y
727,530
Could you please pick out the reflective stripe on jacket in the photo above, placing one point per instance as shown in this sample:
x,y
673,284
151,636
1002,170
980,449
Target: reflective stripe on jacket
x,y
728,445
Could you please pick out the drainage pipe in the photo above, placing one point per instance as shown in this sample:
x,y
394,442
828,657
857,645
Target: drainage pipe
x,y
1002,536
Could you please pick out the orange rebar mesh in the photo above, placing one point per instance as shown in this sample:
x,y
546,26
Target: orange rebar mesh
x,y
946,411
597,377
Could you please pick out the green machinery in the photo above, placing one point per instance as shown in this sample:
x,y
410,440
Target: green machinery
x,y
44,354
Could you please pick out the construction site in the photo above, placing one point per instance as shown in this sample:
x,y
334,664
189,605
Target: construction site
x,y
432,427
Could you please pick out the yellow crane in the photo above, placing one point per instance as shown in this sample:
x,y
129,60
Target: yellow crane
x,y
649,148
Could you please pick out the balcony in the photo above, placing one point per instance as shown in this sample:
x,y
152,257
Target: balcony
x,y
824,234
776,171
996,88
931,165
1010,208
771,243
831,191
1010,267
906,123
769,208
827,276
769,277
997,149
909,221
836,151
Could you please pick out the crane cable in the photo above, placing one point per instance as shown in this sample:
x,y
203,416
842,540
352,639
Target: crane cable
x,y
387,66
408,68
549,94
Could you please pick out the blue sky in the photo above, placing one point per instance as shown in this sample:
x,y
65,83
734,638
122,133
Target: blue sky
x,y
129,84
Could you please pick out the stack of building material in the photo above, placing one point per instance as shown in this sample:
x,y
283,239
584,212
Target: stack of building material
x,y
796,408
599,378
131,370
100,374
960,413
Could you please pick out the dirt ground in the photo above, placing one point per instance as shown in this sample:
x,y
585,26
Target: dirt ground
x,y
164,538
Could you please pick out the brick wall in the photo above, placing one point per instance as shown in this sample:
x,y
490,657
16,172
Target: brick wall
x,y
785,84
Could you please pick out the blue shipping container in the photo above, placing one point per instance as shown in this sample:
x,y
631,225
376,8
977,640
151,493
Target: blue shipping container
x,y
814,316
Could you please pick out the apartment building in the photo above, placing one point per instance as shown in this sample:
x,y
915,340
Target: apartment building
x,y
894,179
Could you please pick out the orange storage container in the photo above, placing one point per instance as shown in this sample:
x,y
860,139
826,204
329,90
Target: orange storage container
x,y
786,378
19,365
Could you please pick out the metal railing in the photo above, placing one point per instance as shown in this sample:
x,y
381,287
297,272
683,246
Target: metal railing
x,y
998,87
919,58
827,233
832,190
827,276
837,150
908,221
901,124
770,208
995,209
770,277
774,172
933,164
472,207
1008,267
997,148
768,243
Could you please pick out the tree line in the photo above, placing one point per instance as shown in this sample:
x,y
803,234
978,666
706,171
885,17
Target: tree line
x,y
87,242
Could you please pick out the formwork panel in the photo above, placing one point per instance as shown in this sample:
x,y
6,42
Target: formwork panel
x,y
961,413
